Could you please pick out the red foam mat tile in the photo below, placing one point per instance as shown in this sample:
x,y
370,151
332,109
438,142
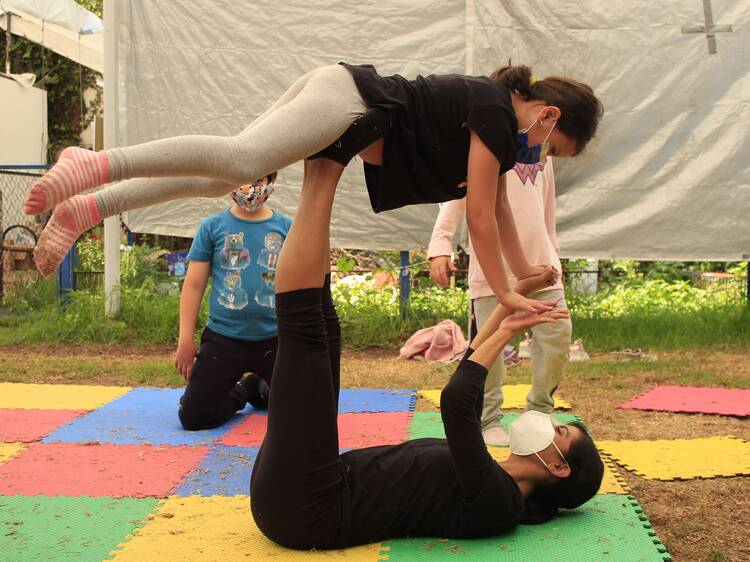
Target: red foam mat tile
x,y
355,430
248,433
73,469
366,430
21,425
693,399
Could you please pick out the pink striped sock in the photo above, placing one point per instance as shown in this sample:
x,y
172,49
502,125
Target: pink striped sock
x,y
70,219
77,170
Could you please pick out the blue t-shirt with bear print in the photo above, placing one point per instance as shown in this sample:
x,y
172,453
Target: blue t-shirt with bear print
x,y
243,255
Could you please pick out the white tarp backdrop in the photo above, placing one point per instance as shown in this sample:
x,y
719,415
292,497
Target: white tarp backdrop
x,y
668,176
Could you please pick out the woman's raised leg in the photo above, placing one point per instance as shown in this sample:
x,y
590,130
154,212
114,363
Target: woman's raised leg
x,y
296,481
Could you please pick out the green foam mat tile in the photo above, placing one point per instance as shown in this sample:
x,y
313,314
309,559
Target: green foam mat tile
x,y
79,529
610,527
430,424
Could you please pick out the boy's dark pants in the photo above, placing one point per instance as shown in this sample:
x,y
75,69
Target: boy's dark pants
x,y
212,395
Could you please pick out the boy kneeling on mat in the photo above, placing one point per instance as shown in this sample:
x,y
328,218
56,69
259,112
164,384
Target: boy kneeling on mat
x,y
238,248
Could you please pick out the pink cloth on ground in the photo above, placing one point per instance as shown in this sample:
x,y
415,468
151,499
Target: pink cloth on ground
x,y
444,342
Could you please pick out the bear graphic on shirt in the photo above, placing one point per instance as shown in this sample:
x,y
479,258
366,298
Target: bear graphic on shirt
x,y
234,255
233,296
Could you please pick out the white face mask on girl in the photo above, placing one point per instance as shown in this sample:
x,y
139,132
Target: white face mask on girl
x,y
532,432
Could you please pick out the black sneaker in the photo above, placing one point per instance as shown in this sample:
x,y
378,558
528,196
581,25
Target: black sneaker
x,y
257,391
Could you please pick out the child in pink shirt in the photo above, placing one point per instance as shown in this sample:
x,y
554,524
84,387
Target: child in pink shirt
x,y
531,195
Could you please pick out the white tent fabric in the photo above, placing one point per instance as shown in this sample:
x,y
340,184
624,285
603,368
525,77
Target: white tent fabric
x,y
66,13
60,25
666,177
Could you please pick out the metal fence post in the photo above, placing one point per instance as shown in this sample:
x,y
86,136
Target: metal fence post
x,y
66,275
405,284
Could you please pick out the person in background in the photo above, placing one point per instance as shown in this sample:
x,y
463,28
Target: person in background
x,y
237,248
531,196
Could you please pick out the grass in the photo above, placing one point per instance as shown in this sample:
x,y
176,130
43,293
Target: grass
x,y
653,316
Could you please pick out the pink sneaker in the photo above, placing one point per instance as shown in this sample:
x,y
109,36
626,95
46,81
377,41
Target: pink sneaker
x,y
576,351
524,347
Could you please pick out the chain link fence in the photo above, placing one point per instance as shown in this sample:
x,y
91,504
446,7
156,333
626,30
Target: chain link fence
x,y
18,231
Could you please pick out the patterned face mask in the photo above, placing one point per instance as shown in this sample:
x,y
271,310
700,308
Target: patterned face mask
x,y
251,196
526,154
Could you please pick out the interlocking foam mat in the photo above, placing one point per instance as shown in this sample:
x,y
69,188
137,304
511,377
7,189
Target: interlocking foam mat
x,y
694,400
355,430
218,528
360,400
7,450
30,425
681,459
514,397
121,480
73,469
57,396
609,527
430,424
67,529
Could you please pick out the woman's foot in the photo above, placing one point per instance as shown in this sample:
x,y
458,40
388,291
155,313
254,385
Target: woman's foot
x,y
77,170
70,219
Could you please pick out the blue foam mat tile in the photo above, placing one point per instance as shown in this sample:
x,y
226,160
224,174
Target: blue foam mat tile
x,y
224,471
148,399
362,400
124,427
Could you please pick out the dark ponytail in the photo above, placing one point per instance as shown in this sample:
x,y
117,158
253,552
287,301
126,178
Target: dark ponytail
x,y
516,78
586,473
580,109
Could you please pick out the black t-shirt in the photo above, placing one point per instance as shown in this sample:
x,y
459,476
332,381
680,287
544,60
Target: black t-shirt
x,y
448,488
427,145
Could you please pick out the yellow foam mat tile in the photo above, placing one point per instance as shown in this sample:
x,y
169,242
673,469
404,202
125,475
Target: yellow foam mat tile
x,y
198,528
500,454
514,397
57,396
8,450
612,482
681,459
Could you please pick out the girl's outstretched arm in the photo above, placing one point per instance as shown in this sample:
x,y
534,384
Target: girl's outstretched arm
x,y
481,200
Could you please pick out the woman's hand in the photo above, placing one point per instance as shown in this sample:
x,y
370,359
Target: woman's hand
x,y
440,269
516,323
184,358
514,301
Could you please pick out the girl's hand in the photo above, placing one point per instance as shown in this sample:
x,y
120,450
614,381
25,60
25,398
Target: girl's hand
x,y
514,301
184,358
516,323
539,269
440,269
544,278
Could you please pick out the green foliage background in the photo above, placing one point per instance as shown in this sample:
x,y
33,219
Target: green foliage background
x,y
64,81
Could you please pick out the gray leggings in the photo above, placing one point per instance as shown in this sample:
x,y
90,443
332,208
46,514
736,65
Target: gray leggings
x,y
314,112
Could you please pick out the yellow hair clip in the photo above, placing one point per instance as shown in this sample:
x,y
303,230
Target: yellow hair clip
x,y
532,80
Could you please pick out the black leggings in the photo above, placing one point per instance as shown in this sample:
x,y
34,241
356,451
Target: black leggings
x,y
212,395
297,482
